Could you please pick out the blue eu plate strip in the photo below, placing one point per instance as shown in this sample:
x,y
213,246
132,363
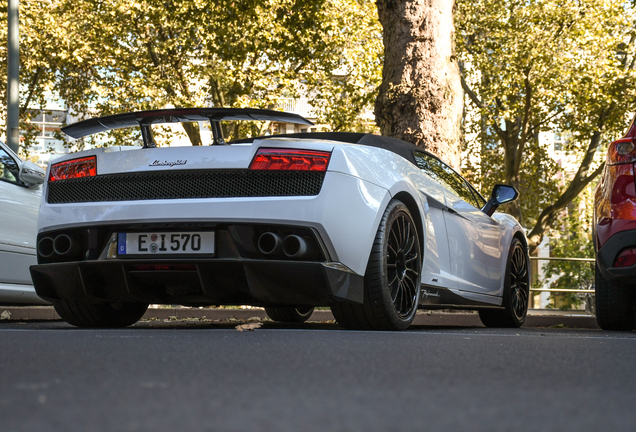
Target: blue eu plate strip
x,y
121,244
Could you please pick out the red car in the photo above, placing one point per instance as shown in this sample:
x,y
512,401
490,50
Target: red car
x,y
615,236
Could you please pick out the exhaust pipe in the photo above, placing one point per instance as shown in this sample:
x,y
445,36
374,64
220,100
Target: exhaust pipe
x,y
45,247
295,247
63,245
269,243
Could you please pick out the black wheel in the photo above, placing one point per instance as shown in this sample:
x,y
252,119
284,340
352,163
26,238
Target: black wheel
x,y
100,314
516,292
298,314
392,278
615,304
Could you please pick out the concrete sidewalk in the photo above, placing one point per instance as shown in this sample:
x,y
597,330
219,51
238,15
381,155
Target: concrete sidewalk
x,y
544,318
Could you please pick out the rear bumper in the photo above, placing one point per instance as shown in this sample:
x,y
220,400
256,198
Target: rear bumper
x,y
203,282
607,254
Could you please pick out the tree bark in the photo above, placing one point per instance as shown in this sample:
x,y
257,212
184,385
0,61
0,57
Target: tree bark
x,y
420,98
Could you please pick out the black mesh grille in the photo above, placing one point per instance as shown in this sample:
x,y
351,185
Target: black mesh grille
x,y
185,184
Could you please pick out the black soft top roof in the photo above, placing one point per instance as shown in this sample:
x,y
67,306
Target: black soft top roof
x,y
402,148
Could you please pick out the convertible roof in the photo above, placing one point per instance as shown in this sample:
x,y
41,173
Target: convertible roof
x,y
403,148
177,115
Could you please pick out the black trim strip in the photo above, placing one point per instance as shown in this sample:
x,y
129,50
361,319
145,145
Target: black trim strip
x,y
433,297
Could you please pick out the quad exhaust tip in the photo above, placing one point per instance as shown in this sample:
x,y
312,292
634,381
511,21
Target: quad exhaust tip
x,y
269,243
295,246
292,246
61,245
45,247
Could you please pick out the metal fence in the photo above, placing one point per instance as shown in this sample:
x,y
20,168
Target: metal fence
x,y
590,304
590,260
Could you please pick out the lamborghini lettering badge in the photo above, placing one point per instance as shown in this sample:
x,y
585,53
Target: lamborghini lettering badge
x,y
169,163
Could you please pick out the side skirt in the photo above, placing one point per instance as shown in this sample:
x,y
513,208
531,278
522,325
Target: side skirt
x,y
433,297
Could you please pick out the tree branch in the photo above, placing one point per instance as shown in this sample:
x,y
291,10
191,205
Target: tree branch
x,y
32,86
580,181
471,94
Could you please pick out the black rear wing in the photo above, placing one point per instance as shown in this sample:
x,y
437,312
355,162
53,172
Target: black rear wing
x,y
144,119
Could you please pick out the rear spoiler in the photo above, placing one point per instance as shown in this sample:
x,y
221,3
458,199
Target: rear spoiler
x,y
178,115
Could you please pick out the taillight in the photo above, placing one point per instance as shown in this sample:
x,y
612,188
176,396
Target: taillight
x,y
290,160
627,258
76,168
621,151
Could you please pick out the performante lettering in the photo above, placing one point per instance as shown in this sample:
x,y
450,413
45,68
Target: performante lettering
x,y
427,294
168,163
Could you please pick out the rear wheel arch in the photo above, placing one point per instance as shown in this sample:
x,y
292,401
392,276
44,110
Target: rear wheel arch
x,y
408,200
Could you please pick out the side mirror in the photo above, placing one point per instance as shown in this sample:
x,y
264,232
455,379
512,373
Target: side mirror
x,y
31,174
501,194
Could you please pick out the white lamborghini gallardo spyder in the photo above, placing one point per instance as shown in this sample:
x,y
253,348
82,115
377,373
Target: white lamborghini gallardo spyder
x,y
370,226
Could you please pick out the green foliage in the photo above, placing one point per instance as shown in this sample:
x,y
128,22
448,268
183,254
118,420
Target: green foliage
x,y
105,57
539,172
541,65
574,240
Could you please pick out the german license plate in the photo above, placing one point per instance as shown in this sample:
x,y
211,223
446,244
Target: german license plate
x,y
166,243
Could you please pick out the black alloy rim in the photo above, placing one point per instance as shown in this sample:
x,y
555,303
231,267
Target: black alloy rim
x,y
519,287
403,265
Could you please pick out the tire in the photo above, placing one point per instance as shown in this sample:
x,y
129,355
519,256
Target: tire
x,y
516,292
113,315
392,277
615,304
298,314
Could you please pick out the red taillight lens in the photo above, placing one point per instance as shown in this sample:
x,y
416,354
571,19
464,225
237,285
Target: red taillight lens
x,y
627,258
290,160
76,168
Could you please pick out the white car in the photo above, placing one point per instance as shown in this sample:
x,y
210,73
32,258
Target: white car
x,y
371,226
19,202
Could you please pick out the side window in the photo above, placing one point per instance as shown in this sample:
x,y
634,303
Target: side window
x,y
480,199
446,176
9,169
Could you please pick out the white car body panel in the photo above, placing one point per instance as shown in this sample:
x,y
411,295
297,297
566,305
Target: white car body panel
x,y
465,251
18,228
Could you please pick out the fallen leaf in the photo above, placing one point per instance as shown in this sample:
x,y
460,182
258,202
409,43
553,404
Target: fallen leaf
x,y
248,327
5,315
559,326
253,319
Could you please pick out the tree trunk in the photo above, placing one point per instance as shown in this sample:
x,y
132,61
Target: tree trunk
x,y
192,129
420,98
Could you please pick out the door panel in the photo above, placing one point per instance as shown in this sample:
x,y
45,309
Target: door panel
x,y
18,223
475,247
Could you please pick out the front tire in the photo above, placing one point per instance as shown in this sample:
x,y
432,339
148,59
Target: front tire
x,y
615,304
100,315
392,278
516,292
298,314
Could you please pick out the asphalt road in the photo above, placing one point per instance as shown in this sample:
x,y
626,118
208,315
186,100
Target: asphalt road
x,y
180,376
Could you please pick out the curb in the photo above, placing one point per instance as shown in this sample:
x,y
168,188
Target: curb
x,y
542,319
